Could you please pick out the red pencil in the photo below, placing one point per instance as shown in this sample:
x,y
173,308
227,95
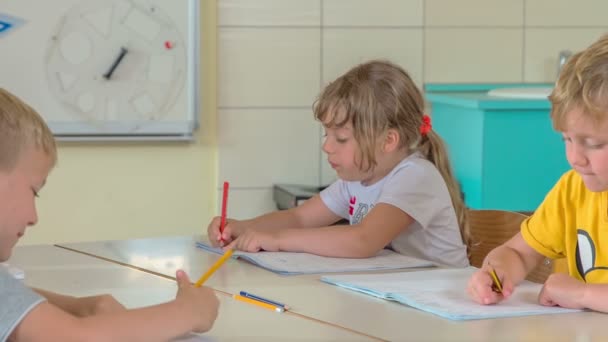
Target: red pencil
x,y
224,209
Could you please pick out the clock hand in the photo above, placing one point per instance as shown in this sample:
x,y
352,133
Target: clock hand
x,y
117,61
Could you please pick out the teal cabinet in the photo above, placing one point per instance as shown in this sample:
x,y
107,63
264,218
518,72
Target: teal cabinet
x,y
504,151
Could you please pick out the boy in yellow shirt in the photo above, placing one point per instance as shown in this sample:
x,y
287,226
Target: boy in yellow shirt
x,y
27,155
572,221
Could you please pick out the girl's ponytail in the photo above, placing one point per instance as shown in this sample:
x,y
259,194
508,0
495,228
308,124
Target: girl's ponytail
x,y
433,148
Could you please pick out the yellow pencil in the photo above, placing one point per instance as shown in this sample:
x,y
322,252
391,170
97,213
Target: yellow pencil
x,y
214,268
258,303
497,285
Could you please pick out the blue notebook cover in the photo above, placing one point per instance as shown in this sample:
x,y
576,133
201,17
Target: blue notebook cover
x,y
288,263
443,292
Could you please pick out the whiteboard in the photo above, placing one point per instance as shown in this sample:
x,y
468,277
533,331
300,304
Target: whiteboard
x,y
105,68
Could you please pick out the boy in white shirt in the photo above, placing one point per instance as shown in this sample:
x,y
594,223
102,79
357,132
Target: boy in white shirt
x,y
27,155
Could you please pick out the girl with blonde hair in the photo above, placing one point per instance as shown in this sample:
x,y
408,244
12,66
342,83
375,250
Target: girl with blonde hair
x,y
395,183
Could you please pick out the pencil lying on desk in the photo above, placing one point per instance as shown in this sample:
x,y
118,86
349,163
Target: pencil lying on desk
x,y
262,299
214,268
258,303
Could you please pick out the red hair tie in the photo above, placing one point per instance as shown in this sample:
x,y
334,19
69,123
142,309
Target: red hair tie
x,y
426,124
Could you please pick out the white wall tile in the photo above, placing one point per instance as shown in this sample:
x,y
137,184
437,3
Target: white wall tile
x,y
269,12
344,48
474,13
372,12
473,55
279,58
260,147
268,67
543,47
566,12
247,203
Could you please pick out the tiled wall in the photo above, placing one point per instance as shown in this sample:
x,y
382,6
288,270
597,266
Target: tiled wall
x,y
275,56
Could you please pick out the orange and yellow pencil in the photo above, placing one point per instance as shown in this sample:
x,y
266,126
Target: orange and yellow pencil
x,y
214,268
258,303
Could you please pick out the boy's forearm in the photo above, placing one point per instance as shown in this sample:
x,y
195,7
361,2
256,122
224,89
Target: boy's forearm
x,y
596,297
161,322
66,303
510,261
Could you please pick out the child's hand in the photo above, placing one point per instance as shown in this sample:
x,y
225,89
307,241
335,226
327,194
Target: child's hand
x,y
562,290
481,286
255,241
198,303
230,231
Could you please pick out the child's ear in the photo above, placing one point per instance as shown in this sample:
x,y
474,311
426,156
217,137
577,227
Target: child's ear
x,y
391,141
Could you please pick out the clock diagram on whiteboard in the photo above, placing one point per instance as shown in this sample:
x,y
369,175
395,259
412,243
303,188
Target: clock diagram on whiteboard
x,y
120,60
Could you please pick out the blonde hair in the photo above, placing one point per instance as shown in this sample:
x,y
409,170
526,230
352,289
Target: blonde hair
x,y
582,84
21,127
377,96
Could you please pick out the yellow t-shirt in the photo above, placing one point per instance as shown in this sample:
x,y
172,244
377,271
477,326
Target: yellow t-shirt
x,y
572,223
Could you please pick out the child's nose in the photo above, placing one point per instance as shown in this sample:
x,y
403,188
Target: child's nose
x,y
577,156
326,146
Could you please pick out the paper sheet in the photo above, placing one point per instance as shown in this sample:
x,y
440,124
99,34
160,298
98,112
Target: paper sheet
x,y
443,292
288,263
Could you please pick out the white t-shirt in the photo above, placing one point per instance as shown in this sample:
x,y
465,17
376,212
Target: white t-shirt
x,y
16,301
416,187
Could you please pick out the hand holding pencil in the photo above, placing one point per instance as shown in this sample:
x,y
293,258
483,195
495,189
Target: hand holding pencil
x,y
221,230
199,306
489,285
224,211
496,283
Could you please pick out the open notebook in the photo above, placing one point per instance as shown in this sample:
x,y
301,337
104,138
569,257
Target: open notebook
x,y
443,292
287,263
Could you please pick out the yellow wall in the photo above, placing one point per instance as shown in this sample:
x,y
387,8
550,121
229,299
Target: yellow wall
x,y
102,191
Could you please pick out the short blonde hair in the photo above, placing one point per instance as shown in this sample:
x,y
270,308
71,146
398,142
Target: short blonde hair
x,y
582,84
20,127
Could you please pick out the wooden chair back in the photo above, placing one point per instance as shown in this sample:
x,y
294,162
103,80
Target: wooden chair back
x,y
492,228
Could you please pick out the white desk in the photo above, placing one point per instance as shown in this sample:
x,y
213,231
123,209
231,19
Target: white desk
x,y
62,271
309,297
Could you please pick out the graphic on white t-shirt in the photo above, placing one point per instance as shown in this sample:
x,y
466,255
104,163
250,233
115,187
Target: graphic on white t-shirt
x,y
361,212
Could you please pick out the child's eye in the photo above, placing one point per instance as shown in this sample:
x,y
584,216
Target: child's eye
x,y
595,146
35,192
567,139
341,140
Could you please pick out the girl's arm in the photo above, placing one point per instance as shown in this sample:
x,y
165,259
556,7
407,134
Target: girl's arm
x,y
379,227
312,213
